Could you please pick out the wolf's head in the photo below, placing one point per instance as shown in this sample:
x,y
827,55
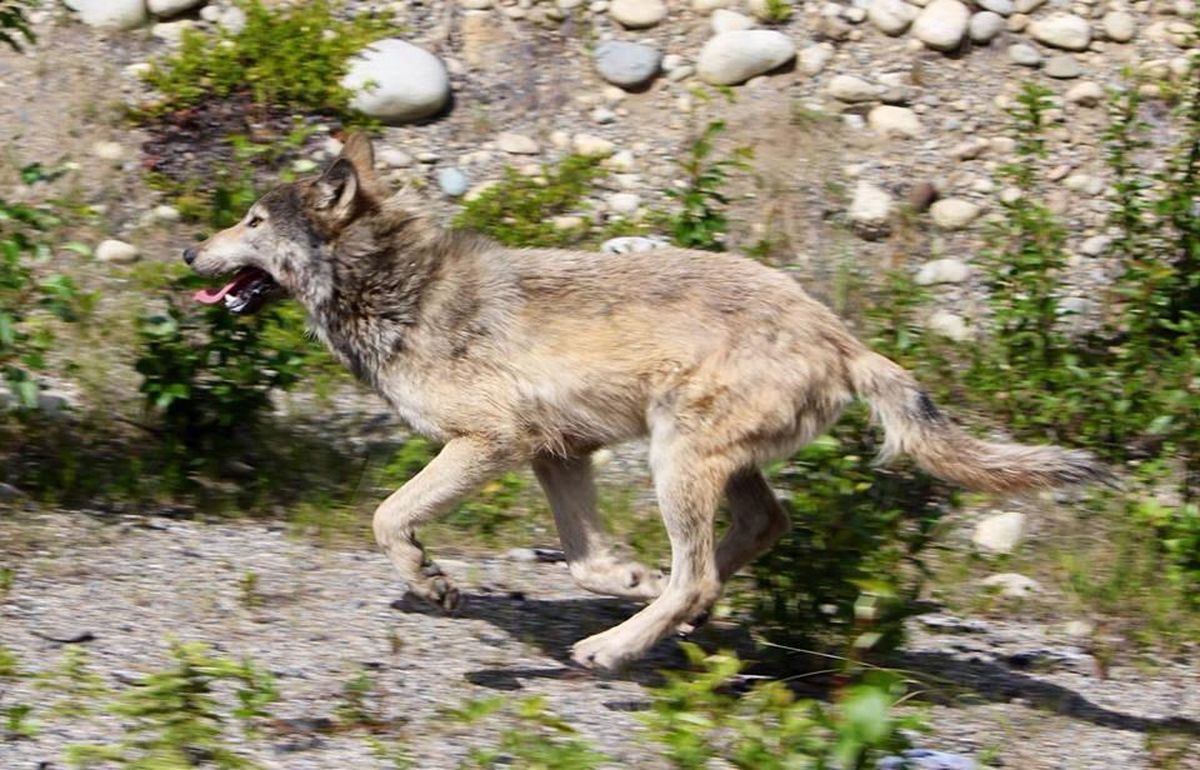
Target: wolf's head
x,y
280,247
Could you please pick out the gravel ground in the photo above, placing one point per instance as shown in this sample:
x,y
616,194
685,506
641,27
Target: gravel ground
x,y
1023,692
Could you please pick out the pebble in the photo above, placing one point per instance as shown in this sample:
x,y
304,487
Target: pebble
x,y
1063,67
121,14
1062,30
517,144
1095,246
1025,55
725,20
870,209
946,270
452,181
954,213
623,203
165,213
734,57
1085,94
891,121
999,533
117,252
926,759
814,58
637,14
397,82
891,17
851,89
1119,26
1012,584
628,244
592,146
985,26
110,151
1001,7
942,24
949,325
628,65
921,196
392,157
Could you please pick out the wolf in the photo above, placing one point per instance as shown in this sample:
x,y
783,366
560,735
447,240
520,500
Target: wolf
x,y
507,356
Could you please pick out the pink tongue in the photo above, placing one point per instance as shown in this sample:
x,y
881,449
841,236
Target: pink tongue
x,y
210,297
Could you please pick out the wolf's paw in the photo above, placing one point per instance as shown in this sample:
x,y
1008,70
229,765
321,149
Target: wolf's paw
x,y
434,587
601,652
626,579
684,630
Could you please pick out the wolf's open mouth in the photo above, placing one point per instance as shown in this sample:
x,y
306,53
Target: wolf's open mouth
x,y
246,293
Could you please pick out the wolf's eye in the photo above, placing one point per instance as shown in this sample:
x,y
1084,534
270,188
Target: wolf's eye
x,y
254,221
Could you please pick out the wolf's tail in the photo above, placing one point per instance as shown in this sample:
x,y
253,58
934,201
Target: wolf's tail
x,y
914,426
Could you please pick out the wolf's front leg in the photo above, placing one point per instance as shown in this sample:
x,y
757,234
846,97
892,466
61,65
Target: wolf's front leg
x,y
463,465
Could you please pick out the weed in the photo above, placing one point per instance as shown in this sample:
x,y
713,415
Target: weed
x,y
174,718
538,740
14,24
76,683
774,11
10,666
248,593
361,704
700,222
16,722
291,56
8,578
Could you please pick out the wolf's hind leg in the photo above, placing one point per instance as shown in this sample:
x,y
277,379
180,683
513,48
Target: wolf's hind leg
x,y
590,553
462,466
757,521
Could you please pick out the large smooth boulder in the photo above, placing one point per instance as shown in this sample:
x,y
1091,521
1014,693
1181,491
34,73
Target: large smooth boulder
x,y
397,82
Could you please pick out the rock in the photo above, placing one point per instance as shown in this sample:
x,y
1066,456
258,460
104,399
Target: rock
x,y
891,17
1119,26
117,252
1000,7
892,121
970,148
1095,246
942,24
985,26
1084,184
813,58
171,31
391,157
628,65
452,181
946,270
1025,55
165,213
926,759
476,5
1085,94
164,9
112,152
1063,67
949,325
1079,629
632,243
397,82
953,213
725,20
921,196
734,57
850,89
623,203
521,554
122,14
999,533
637,14
1062,30
1012,585
870,209
708,6
517,144
9,493
592,146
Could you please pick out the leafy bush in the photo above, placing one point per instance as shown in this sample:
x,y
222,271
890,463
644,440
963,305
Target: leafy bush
x,y
538,740
520,210
174,719
699,718
700,222
290,55
14,25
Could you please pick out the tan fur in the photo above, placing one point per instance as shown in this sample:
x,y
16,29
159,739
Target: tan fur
x,y
513,356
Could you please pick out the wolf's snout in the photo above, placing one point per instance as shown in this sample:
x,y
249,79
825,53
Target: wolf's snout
x,y
189,255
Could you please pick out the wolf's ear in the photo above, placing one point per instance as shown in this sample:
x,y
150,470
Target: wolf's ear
x,y
358,150
337,190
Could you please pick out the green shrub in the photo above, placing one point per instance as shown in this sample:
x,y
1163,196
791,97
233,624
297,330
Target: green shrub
x,y
699,718
175,720
290,55
536,739
700,222
519,210
77,685
14,25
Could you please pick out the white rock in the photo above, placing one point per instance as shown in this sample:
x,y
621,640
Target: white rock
x,y
985,26
892,121
167,8
1025,55
623,202
637,14
628,244
1012,585
999,533
110,151
171,31
1095,246
397,82
122,14
165,213
1119,26
891,17
942,24
117,252
725,20
708,6
871,207
1001,7
942,271
392,157
953,213
1085,94
592,146
949,325
1062,30
1063,67
734,57
851,89
517,144
813,58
